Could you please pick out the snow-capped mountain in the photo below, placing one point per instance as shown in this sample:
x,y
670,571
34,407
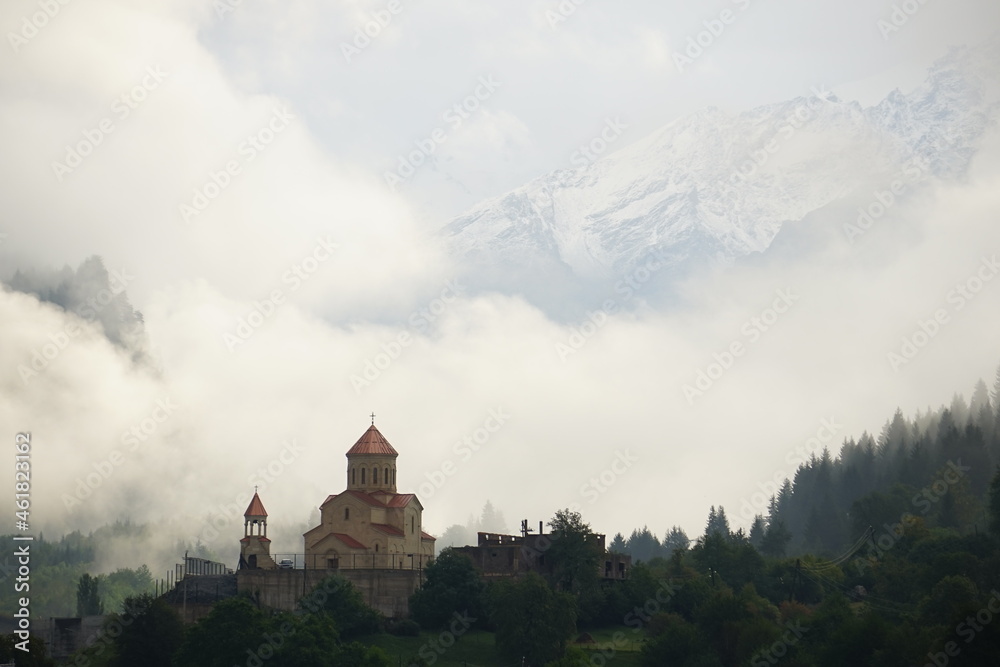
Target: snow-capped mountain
x,y
719,186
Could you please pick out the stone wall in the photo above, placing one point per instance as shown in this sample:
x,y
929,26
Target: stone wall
x,y
388,591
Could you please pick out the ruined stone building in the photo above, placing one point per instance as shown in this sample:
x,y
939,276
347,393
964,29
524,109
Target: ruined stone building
x,y
498,555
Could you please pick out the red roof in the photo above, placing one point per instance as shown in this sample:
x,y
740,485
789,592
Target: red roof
x,y
248,538
387,529
372,442
349,541
255,508
394,499
400,500
425,536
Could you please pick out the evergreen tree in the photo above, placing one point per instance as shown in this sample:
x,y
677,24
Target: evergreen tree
x,y
675,540
995,503
491,520
775,540
618,545
757,531
88,597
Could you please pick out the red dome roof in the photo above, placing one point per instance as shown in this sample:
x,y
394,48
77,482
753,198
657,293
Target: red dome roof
x,y
255,508
372,442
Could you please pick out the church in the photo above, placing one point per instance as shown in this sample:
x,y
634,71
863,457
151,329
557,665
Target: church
x,y
369,525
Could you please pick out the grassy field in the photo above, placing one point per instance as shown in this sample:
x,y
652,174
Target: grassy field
x,y
476,649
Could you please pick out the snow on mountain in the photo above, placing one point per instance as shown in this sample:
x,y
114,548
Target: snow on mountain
x,y
715,185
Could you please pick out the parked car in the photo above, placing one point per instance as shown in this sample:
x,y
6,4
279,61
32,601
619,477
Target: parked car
x,y
286,564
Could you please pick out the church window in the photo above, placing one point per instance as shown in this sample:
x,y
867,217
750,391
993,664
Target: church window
x,y
387,476
362,476
354,476
347,514
376,548
375,475
411,524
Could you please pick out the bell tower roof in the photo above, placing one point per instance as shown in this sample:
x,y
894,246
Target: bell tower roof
x,y
372,442
256,507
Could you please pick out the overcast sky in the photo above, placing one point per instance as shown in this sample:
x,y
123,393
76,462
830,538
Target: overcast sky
x,y
285,122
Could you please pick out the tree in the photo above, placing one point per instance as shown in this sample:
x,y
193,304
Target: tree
x,y
995,503
339,598
675,540
88,597
618,545
231,631
757,531
491,520
643,545
153,635
573,552
775,540
452,586
532,620
717,523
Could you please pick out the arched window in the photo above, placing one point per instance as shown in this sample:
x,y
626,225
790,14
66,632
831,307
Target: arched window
x,y
375,475
376,548
394,477
387,476
412,530
362,476
347,514
354,477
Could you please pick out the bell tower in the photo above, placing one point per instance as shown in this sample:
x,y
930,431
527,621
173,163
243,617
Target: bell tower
x,y
371,463
255,547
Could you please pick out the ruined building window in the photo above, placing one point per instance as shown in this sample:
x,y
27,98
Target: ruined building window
x,y
374,475
362,476
347,514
